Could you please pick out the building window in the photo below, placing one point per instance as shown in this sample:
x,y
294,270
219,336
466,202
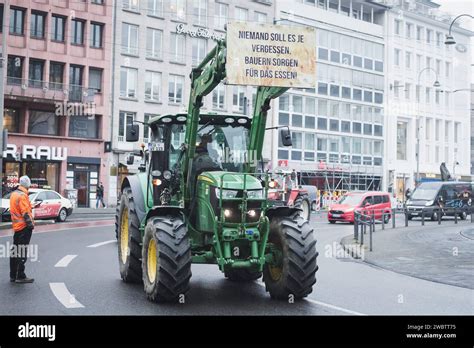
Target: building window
x,y
368,96
334,90
408,30
335,57
17,18
447,69
75,82
128,82
199,50
155,8
396,56
178,9
238,99
56,75
152,86
175,89
408,60
154,42
221,15
322,88
84,127
439,39
125,119
57,30
77,32
11,120
407,90
260,17
97,32
323,53
146,128
241,14
178,48
37,25
428,95
218,97
43,122
36,73
322,123
358,61
14,70
130,39
97,2
131,5
429,34
200,12
419,33
398,27
95,79
402,141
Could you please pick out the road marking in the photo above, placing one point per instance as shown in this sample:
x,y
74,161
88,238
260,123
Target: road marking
x,y
327,305
64,296
64,262
102,243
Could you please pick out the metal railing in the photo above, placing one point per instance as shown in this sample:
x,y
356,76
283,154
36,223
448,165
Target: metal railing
x,y
372,218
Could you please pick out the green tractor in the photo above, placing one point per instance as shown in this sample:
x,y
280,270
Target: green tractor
x,y
199,199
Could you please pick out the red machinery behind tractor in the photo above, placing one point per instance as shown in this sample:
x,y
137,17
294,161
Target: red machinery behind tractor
x,y
284,190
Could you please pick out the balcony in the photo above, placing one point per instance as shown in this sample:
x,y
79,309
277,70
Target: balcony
x,y
18,88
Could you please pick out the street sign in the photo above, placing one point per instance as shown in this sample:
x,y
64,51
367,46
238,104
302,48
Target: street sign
x,y
271,55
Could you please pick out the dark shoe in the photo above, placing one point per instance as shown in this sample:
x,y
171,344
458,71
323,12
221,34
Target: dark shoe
x,y
24,280
12,280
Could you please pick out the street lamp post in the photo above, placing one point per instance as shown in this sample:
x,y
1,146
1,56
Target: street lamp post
x,y
449,38
436,84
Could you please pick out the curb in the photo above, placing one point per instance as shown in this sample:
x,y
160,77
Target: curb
x,y
8,225
354,252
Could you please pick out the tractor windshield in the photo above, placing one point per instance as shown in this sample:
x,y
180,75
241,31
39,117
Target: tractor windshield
x,y
226,145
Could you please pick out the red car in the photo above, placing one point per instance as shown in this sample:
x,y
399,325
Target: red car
x,y
367,203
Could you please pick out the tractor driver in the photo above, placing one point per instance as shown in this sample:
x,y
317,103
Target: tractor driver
x,y
203,161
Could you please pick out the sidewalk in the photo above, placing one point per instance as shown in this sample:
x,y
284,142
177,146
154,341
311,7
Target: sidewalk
x,y
439,253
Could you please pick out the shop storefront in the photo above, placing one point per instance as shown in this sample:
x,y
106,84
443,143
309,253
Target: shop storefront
x,y
42,164
83,175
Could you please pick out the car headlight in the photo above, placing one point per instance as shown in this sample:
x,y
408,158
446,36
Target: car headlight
x,y
255,194
226,194
429,203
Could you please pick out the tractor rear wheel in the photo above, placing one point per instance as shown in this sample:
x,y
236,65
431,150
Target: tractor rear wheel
x,y
127,229
302,202
242,275
292,271
166,258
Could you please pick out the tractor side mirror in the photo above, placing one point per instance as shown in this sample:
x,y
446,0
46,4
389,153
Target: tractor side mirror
x,y
133,132
285,135
130,159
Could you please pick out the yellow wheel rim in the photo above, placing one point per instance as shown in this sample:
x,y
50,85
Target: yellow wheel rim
x,y
275,272
151,261
124,235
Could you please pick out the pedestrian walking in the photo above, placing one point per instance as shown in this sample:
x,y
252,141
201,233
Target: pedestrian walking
x,y
23,225
100,196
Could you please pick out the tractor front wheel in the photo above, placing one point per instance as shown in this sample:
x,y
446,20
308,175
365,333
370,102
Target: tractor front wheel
x,y
166,259
292,271
128,235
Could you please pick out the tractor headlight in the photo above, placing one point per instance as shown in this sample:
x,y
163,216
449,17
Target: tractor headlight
x,y
252,213
255,194
272,184
167,174
227,213
226,194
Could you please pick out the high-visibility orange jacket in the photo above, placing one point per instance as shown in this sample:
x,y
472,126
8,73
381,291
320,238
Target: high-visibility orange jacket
x,y
20,209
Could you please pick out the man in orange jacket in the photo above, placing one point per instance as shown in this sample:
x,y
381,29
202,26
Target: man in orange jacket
x,y
23,224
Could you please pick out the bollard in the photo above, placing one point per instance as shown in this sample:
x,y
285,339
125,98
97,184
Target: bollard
x,y
356,227
406,217
370,236
383,221
472,215
373,219
422,217
362,235
394,214
439,216
455,215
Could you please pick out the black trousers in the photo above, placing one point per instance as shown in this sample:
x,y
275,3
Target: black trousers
x,y
18,256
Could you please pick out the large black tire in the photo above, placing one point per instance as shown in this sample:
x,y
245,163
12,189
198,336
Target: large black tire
x,y
302,202
242,275
62,216
293,237
128,235
166,275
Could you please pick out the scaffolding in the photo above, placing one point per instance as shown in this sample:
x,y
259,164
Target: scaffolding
x,y
336,179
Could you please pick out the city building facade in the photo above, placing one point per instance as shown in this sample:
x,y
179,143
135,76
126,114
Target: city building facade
x,y
156,45
57,95
428,99
337,127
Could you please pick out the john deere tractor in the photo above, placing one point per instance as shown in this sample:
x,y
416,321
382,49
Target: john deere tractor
x,y
200,200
